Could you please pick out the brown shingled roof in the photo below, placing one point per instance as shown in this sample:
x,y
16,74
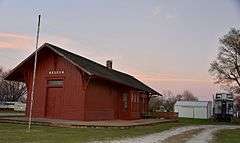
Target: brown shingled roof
x,y
95,69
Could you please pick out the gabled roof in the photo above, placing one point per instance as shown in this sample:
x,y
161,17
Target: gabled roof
x,y
94,69
193,103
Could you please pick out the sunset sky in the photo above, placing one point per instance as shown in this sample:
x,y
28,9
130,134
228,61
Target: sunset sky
x,y
168,44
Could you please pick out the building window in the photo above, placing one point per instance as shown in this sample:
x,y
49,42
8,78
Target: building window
x,y
55,83
218,96
125,101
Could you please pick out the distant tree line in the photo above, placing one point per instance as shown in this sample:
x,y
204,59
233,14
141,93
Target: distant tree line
x,y
166,102
11,91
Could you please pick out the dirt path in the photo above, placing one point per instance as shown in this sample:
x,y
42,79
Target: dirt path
x,y
189,134
182,137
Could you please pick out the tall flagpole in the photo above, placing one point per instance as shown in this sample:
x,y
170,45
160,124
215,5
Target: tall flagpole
x,y
34,76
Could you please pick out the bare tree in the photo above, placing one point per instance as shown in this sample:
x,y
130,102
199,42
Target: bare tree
x,y
10,90
187,96
168,100
164,103
226,67
155,103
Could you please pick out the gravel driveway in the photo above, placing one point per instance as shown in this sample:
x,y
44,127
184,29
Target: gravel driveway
x,y
179,135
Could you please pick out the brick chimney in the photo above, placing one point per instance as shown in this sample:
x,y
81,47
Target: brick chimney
x,y
109,64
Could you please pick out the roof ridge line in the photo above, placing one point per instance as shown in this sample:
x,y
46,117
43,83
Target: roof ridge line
x,y
89,60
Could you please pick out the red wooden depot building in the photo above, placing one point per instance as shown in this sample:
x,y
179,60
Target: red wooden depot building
x,y
69,86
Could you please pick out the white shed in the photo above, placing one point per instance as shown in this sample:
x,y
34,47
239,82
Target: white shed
x,y
194,109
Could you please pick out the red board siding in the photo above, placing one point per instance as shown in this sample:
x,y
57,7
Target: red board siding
x,y
101,101
71,100
79,98
104,101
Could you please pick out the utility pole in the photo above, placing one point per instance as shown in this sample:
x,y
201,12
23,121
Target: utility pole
x,y
34,76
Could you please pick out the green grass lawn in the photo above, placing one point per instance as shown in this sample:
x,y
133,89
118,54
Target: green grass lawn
x,y
16,133
227,136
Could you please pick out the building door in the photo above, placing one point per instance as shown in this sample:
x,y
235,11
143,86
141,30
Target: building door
x,y
224,109
53,102
54,99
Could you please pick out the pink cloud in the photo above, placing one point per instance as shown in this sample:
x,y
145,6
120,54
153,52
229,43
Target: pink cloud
x,y
12,40
21,41
169,77
202,87
172,77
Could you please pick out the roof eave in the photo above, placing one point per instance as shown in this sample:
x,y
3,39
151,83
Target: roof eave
x,y
7,77
21,63
150,93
